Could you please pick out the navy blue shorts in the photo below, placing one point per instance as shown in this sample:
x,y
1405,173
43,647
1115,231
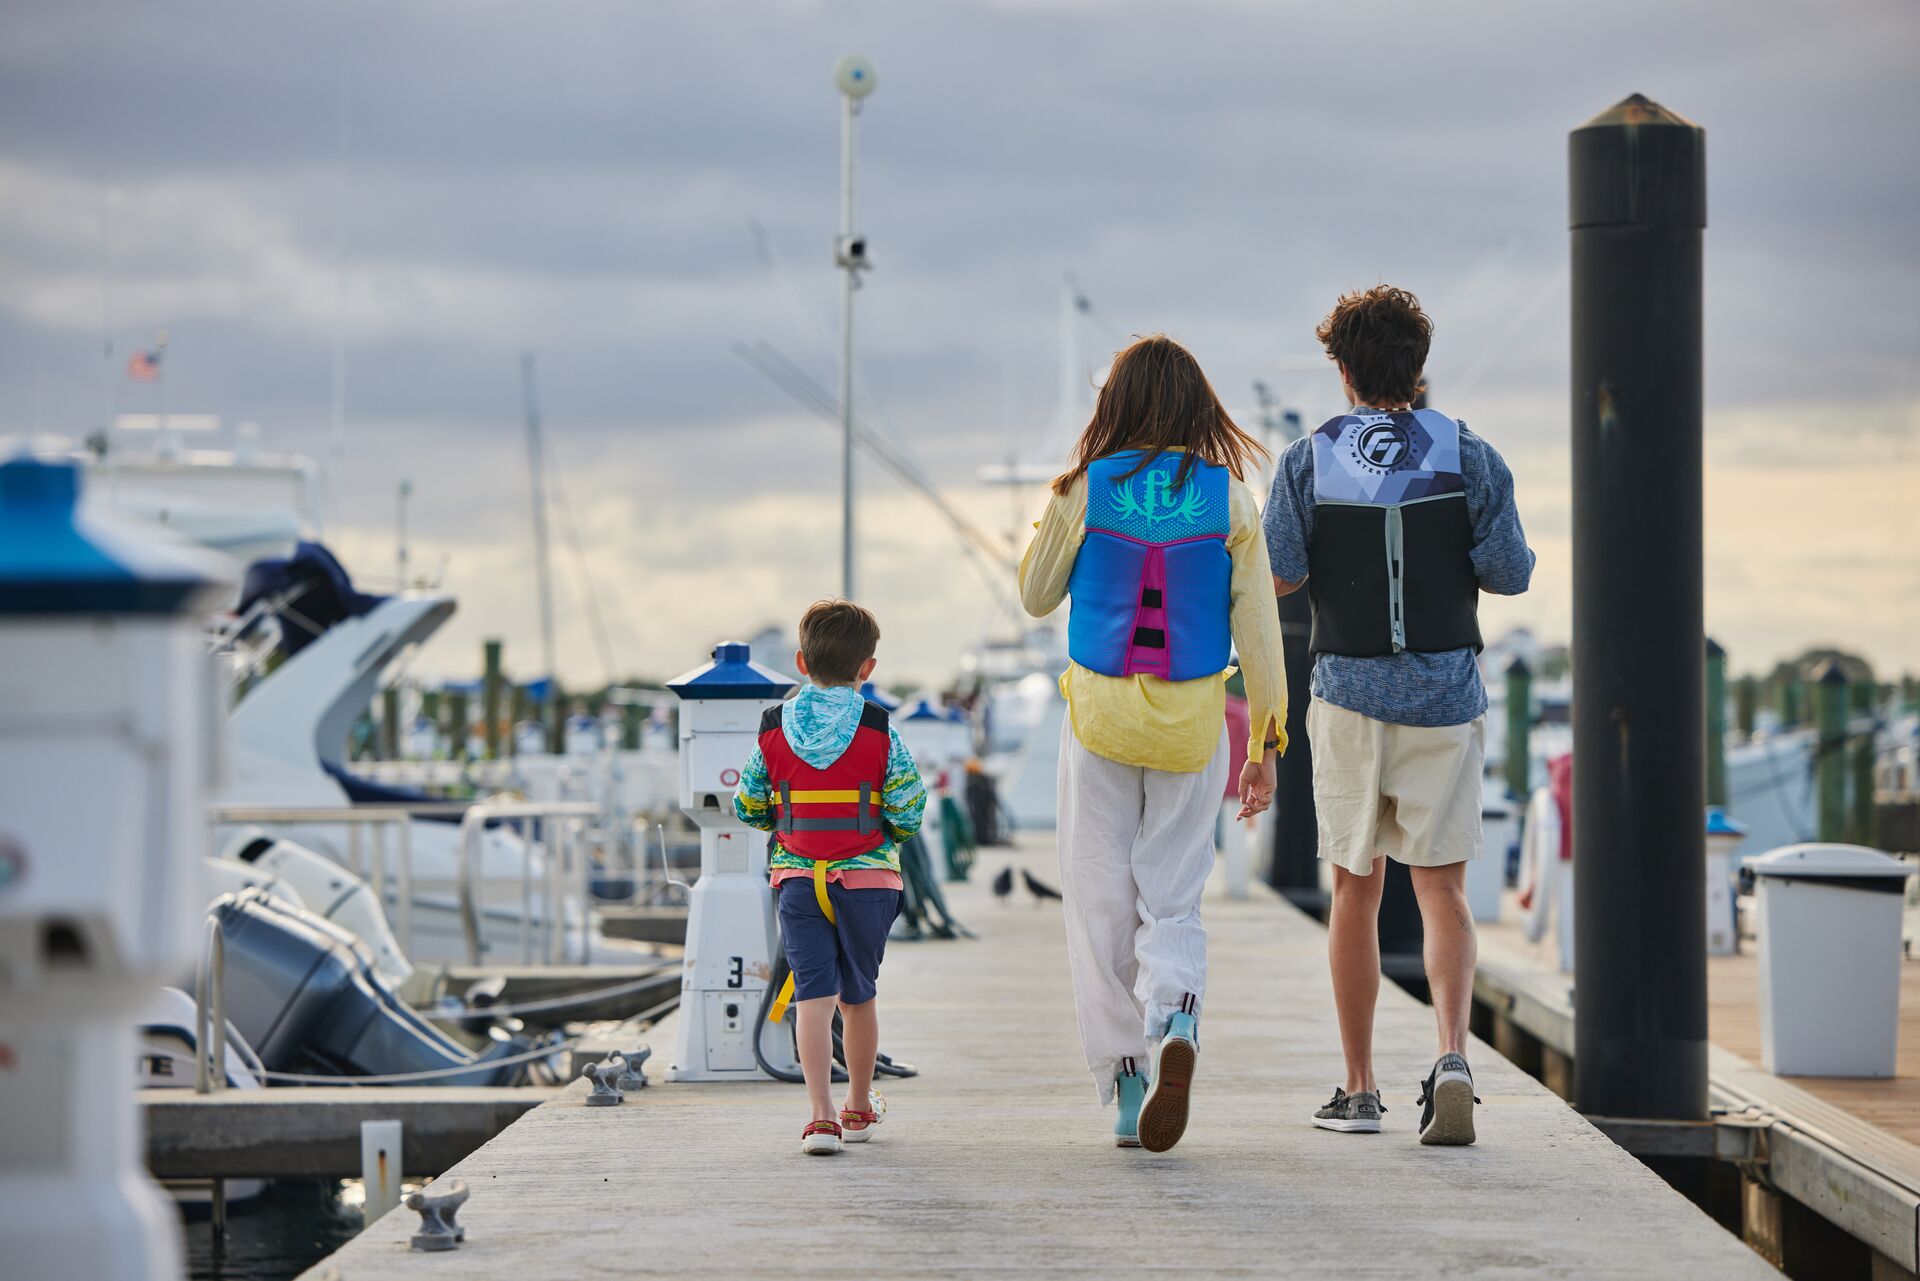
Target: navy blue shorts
x,y
830,960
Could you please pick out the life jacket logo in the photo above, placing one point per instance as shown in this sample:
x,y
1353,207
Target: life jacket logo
x,y
1383,447
1149,497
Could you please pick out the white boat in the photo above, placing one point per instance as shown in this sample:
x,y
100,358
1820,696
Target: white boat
x,y
287,751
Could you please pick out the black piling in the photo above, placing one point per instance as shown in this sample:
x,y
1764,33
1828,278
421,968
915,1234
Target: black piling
x,y
1637,208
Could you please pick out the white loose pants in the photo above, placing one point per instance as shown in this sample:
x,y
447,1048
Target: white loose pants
x,y
1136,846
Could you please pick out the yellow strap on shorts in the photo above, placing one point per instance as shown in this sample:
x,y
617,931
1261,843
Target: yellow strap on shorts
x,y
780,1002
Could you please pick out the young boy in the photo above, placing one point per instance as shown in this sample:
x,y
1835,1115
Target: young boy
x,y
1396,519
831,781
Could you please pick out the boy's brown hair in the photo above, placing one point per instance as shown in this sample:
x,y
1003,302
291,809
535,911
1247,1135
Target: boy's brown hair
x,y
1381,336
836,637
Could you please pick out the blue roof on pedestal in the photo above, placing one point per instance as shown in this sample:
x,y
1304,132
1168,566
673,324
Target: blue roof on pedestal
x,y
874,694
924,708
1719,824
731,674
54,559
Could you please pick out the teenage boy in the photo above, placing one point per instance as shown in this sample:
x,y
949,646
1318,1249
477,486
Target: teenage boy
x,y
1395,519
830,779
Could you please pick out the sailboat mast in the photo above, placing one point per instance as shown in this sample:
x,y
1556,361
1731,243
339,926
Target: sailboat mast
x,y
536,479
1069,409
337,397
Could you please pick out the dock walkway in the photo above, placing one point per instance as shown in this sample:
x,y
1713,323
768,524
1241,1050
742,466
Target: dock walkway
x,y
996,1161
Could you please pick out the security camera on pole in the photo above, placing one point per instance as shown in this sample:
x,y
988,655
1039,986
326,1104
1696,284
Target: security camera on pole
x,y
728,963
110,726
854,77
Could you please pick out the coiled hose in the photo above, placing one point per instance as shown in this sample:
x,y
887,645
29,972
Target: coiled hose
x,y
882,1064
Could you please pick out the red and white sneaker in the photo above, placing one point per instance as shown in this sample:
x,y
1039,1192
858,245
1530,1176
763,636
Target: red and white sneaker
x,y
820,1138
857,1127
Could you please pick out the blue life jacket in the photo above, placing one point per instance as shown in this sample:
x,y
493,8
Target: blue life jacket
x,y
1151,586
1390,565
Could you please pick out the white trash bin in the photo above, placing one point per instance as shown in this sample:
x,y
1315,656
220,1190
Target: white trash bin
x,y
1829,959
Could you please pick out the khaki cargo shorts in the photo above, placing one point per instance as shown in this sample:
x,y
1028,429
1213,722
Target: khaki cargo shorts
x,y
1410,793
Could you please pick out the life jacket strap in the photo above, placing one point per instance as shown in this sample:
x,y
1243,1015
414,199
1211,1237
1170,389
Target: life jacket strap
x,y
865,822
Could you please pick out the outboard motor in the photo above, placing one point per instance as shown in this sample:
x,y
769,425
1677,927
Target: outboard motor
x,y
305,994
328,889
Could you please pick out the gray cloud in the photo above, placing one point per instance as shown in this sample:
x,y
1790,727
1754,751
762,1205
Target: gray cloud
x,y
578,179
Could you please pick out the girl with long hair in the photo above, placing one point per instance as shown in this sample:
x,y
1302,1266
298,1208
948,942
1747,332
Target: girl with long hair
x,y
1156,538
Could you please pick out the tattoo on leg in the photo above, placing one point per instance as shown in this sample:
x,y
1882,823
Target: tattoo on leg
x,y
1464,917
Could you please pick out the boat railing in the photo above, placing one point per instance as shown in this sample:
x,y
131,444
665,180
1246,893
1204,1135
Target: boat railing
x,y
556,828
366,856
210,998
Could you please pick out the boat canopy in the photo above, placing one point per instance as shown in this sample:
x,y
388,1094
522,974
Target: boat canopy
x,y
322,594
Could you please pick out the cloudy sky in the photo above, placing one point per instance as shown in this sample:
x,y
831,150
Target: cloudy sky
x,y
631,189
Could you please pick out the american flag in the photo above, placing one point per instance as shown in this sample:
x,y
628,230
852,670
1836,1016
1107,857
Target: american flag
x,y
144,366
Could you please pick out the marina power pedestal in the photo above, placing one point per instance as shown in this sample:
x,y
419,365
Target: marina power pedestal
x,y
110,731
730,926
1723,837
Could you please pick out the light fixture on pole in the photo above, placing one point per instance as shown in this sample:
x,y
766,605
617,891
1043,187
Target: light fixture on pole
x,y
854,77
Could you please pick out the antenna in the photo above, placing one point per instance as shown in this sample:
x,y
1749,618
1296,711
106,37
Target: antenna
x,y
1069,413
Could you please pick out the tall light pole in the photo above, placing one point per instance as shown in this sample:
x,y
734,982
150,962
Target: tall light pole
x,y
854,77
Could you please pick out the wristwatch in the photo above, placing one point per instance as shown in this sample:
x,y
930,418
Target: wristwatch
x,y
1271,744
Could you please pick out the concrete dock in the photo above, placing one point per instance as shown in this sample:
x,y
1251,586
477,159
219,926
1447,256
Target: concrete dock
x,y
996,1161
314,1131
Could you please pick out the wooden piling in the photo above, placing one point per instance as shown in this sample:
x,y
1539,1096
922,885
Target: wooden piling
x,y
390,723
1746,704
459,728
1863,816
1519,769
1716,723
490,697
1830,764
518,705
556,717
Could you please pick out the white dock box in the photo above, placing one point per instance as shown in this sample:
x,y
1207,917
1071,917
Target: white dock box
x,y
1829,959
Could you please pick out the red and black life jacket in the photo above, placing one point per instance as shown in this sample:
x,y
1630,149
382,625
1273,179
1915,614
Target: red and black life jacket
x,y
830,813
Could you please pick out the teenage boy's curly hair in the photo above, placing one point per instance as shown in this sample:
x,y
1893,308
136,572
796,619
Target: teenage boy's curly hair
x,y
1381,336
837,636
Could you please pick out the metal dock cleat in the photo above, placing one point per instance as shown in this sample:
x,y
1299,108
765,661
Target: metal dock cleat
x,y
632,1069
436,1206
603,1074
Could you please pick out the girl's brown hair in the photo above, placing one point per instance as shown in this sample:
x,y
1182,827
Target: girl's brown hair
x,y
1155,399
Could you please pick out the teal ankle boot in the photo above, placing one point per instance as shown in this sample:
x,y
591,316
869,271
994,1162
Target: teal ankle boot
x,y
1163,1114
1129,1091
